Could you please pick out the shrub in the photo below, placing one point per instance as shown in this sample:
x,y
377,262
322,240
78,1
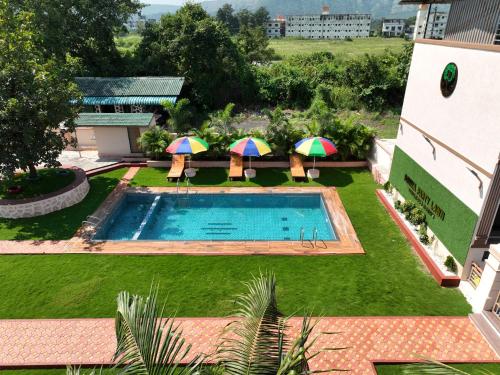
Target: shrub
x,y
397,205
388,187
423,236
416,216
450,264
407,206
154,141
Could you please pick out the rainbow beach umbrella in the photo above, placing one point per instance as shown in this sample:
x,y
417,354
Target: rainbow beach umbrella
x,y
188,146
315,146
250,146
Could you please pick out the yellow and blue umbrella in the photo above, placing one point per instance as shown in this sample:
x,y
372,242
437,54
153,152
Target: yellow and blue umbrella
x,y
315,146
187,145
250,146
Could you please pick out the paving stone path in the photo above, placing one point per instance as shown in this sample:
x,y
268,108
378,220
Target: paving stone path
x,y
57,342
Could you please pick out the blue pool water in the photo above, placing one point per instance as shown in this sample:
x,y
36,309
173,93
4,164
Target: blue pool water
x,y
218,217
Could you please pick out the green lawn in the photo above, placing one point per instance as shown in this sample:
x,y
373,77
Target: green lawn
x,y
471,368
49,180
286,47
388,280
62,224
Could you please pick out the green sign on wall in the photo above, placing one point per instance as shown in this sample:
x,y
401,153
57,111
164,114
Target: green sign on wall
x,y
449,79
448,217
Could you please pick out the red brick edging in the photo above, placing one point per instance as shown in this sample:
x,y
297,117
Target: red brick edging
x,y
441,278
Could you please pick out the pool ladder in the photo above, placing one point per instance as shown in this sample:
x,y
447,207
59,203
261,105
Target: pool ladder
x,y
314,237
187,186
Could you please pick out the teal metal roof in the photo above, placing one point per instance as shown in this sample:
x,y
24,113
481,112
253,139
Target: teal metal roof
x,y
114,119
127,100
130,86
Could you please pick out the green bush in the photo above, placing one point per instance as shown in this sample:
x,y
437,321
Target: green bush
x,y
397,205
407,206
416,216
450,264
423,236
154,141
388,187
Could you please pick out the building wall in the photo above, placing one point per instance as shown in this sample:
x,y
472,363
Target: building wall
x,y
451,138
112,141
86,138
331,26
393,27
274,29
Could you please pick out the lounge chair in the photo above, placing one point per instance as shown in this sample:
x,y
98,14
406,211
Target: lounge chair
x,y
296,167
236,167
177,167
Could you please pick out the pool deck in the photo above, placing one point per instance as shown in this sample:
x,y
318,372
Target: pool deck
x,y
347,242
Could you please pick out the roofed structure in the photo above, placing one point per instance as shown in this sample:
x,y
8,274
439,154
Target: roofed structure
x,y
129,90
114,119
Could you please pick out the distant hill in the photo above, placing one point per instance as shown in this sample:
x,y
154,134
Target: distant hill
x,y
155,10
378,8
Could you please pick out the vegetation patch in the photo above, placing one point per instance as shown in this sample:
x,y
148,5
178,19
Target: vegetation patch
x,y
467,368
47,181
63,224
382,282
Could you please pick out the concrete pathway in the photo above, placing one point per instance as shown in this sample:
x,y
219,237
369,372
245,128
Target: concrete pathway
x,y
85,160
58,342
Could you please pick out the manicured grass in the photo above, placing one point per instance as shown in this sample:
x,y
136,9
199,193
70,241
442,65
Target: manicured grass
x,y
219,177
62,224
388,280
471,368
49,180
286,47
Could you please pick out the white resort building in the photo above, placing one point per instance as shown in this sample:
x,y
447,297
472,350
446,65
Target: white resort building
x,y
393,27
276,28
447,152
436,21
328,26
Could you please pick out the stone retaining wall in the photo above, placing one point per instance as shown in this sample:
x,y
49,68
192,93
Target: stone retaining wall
x,y
31,207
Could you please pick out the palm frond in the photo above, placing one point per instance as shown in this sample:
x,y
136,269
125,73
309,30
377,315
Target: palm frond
x,y
146,342
254,343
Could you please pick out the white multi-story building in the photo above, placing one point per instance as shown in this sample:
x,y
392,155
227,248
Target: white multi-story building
x,y
393,27
431,22
329,26
447,153
275,28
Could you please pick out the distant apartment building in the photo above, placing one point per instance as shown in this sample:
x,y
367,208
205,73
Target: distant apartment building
x,y
393,27
436,21
276,28
328,26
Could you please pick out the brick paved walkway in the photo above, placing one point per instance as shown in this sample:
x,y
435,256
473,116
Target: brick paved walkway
x,y
91,341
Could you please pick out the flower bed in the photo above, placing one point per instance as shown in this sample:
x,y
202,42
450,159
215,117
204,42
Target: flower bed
x,y
434,262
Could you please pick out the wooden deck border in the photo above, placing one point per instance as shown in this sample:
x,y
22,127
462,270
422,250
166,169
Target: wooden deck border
x,y
347,242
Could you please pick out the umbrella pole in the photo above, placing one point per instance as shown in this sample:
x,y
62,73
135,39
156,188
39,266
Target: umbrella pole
x,y
314,163
250,162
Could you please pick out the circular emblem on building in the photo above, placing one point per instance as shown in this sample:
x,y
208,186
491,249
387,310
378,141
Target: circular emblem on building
x,y
449,79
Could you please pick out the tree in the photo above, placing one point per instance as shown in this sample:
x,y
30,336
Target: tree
x,y
154,141
280,133
245,18
189,43
35,97
179,115
226,15
254,44
260,17
82,28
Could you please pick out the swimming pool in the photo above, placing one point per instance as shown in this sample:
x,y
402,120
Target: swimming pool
x,y
217,217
